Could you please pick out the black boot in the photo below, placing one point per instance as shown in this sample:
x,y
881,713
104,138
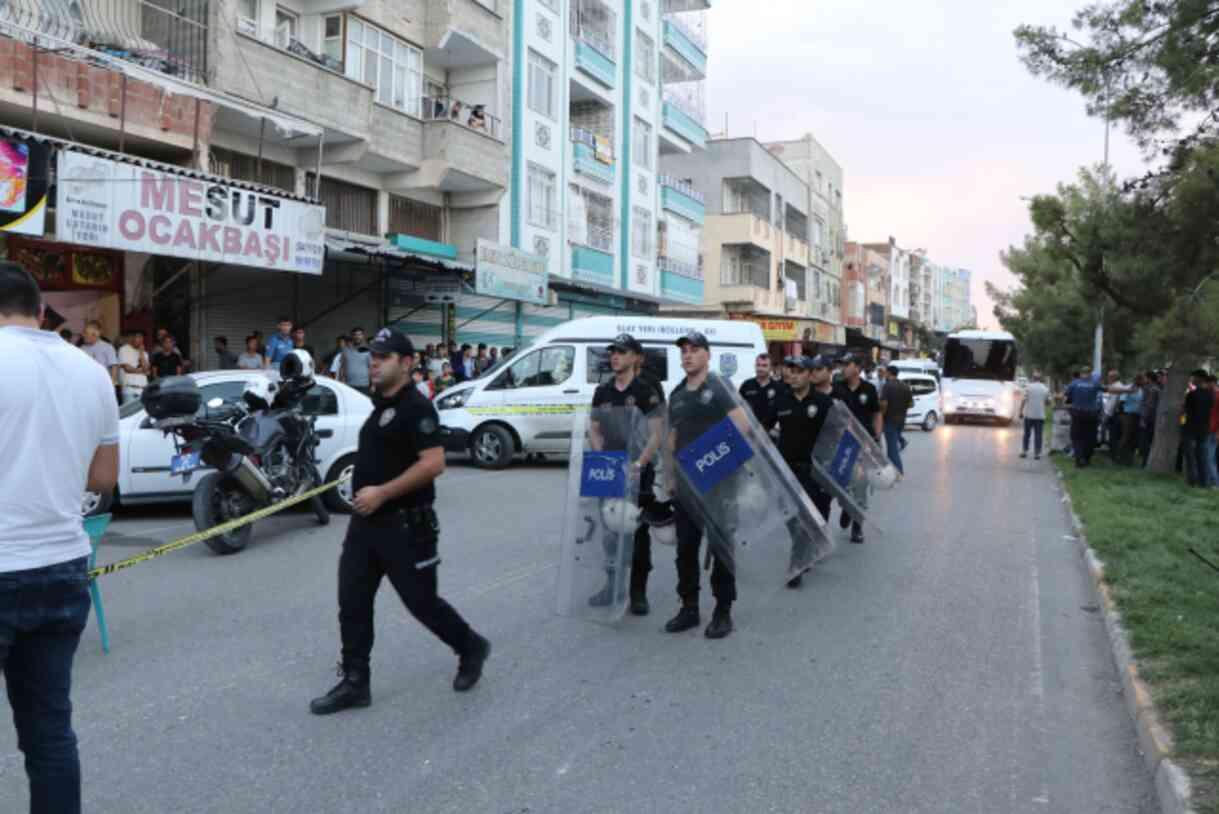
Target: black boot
x,y
351,691
639,594
844,520
685,619
721,622
856,533
796,581
470,668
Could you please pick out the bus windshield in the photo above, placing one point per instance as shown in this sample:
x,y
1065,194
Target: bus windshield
x,y
991,359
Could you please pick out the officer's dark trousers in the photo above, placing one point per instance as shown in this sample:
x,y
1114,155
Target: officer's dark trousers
x,y
689,540
1083,436
405,553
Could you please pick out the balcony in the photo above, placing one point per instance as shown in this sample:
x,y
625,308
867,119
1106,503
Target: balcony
x,y
591,60
796,249
592,157
592,265
684,125
677,285
594,27
681,199
464,33
678,6
744,228
684,44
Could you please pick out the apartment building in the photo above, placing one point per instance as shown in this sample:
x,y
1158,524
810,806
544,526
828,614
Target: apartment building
x,y
755,250
956,300
823,177
899,327
866,302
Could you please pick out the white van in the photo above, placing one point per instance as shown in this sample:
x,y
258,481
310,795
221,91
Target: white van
x,y
928,398
527,403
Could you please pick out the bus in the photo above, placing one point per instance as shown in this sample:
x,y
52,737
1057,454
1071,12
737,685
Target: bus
x,y
979,376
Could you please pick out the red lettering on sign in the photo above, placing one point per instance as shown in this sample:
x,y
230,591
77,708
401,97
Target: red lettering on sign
x,y
156,192
158,229
190,199
131,225
232,240
253,246
207,238
185,236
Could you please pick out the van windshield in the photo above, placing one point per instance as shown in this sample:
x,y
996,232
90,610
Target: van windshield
x,y
505,359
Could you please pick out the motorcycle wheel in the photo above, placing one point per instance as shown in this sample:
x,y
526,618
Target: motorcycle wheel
x,y
317,502
208,506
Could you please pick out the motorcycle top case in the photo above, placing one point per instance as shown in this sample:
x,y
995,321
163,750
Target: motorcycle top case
x,y
173,396
600,513
729,476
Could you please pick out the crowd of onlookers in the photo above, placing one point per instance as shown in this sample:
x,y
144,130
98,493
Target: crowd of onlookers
x,y
1121,416
132,365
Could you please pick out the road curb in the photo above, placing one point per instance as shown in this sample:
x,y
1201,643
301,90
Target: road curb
x,y
1155,741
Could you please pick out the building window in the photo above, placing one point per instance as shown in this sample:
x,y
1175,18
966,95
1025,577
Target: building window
x,y
287,27
645,57
745,265
247,17
590,219
543,85
348,207
595,23
641,144
415,218
332,38
386,63
641,233
241,167
540,195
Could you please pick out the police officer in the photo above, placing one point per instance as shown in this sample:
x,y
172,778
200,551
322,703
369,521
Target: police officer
x,y
761,392
696,404
800,414
628,389
861,398
394,531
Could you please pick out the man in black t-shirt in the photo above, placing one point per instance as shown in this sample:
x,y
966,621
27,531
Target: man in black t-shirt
x,y
863,401
394,531
627,389
800,415
1196,430
762,391
697,404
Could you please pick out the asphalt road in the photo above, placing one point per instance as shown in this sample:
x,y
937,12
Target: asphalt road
x,y
954,665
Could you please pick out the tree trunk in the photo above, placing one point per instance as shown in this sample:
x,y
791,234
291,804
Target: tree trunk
x,y
1168,428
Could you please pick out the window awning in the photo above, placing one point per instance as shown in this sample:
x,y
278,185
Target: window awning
x,y
347,243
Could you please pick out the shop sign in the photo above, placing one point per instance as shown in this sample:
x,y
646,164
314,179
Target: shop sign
x,y
124,206
774,330
825,332
431,289
893,331
24,167
509,274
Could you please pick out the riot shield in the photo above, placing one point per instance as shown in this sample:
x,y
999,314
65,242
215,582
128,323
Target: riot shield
x,y
848,463
728,475
601,512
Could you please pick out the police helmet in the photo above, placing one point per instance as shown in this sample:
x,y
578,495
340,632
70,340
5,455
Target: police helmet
x,y
619,516
296,365
260,393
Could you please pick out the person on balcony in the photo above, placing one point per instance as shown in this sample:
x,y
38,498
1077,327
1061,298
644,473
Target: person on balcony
x,y
478,118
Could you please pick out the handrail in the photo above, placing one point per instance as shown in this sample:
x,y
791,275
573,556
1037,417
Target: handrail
x,y
458,111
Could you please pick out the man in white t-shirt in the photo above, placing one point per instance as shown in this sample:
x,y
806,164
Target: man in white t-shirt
x,y
133,367
60,438
1032,410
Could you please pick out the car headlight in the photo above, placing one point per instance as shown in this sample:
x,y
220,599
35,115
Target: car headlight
x,y
948,394
453,401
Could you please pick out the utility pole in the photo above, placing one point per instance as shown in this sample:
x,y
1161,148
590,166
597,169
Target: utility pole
x,y
1098,339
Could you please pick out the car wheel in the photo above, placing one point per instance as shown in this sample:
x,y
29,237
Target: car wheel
x,y
95,503
340,497
930,422
492,447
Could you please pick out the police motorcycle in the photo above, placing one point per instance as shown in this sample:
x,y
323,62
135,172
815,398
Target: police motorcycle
x,y
262,447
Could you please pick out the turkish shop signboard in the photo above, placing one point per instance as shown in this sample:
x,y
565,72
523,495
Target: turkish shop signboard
x,y
115,205
24,167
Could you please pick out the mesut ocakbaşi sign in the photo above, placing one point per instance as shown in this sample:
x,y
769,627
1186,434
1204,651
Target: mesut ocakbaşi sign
x,y
128,207
509,274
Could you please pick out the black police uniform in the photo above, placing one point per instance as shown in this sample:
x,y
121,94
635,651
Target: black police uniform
x,y
398,541
692,413
800,421
649,398
763,398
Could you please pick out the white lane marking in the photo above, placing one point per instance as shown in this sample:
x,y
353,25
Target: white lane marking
x,y
1038,673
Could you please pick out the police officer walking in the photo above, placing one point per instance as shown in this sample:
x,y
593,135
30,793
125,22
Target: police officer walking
x,y
800,413
628,389
394,531
695,406
762,391
863,401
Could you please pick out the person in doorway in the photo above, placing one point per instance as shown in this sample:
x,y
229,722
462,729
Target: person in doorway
x,y
863,401
280,344
59,451
394,531
166,361
252,359
134,366
762,392
298,342
895,402
1032,412
102,352
225,358
356,362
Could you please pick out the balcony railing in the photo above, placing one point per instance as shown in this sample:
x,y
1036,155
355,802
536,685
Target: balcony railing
x,y
475,117
168,36
680,268
696,36
682,186
593,22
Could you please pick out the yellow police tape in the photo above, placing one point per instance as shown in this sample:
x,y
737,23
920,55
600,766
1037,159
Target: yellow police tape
x,y
214,531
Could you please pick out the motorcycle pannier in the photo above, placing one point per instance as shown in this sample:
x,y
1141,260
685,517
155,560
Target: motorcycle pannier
x,y
173,396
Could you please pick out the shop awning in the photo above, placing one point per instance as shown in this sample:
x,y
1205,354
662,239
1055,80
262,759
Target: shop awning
x,y
358,246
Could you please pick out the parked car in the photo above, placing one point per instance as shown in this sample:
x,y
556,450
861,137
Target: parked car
x,y
145,452
928,406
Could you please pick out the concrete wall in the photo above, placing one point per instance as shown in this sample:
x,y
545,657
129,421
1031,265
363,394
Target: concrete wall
x,y
736,158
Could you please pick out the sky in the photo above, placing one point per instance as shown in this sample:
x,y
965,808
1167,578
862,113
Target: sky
x,y
939,128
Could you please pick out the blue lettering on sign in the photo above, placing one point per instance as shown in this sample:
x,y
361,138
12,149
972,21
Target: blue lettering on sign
x,y
714,455
845,458
603,474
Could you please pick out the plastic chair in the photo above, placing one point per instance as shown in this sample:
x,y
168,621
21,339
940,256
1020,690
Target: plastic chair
x,y
95,527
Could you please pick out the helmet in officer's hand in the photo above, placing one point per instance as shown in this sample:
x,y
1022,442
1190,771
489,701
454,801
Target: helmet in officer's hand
x,y
296,365
619,516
